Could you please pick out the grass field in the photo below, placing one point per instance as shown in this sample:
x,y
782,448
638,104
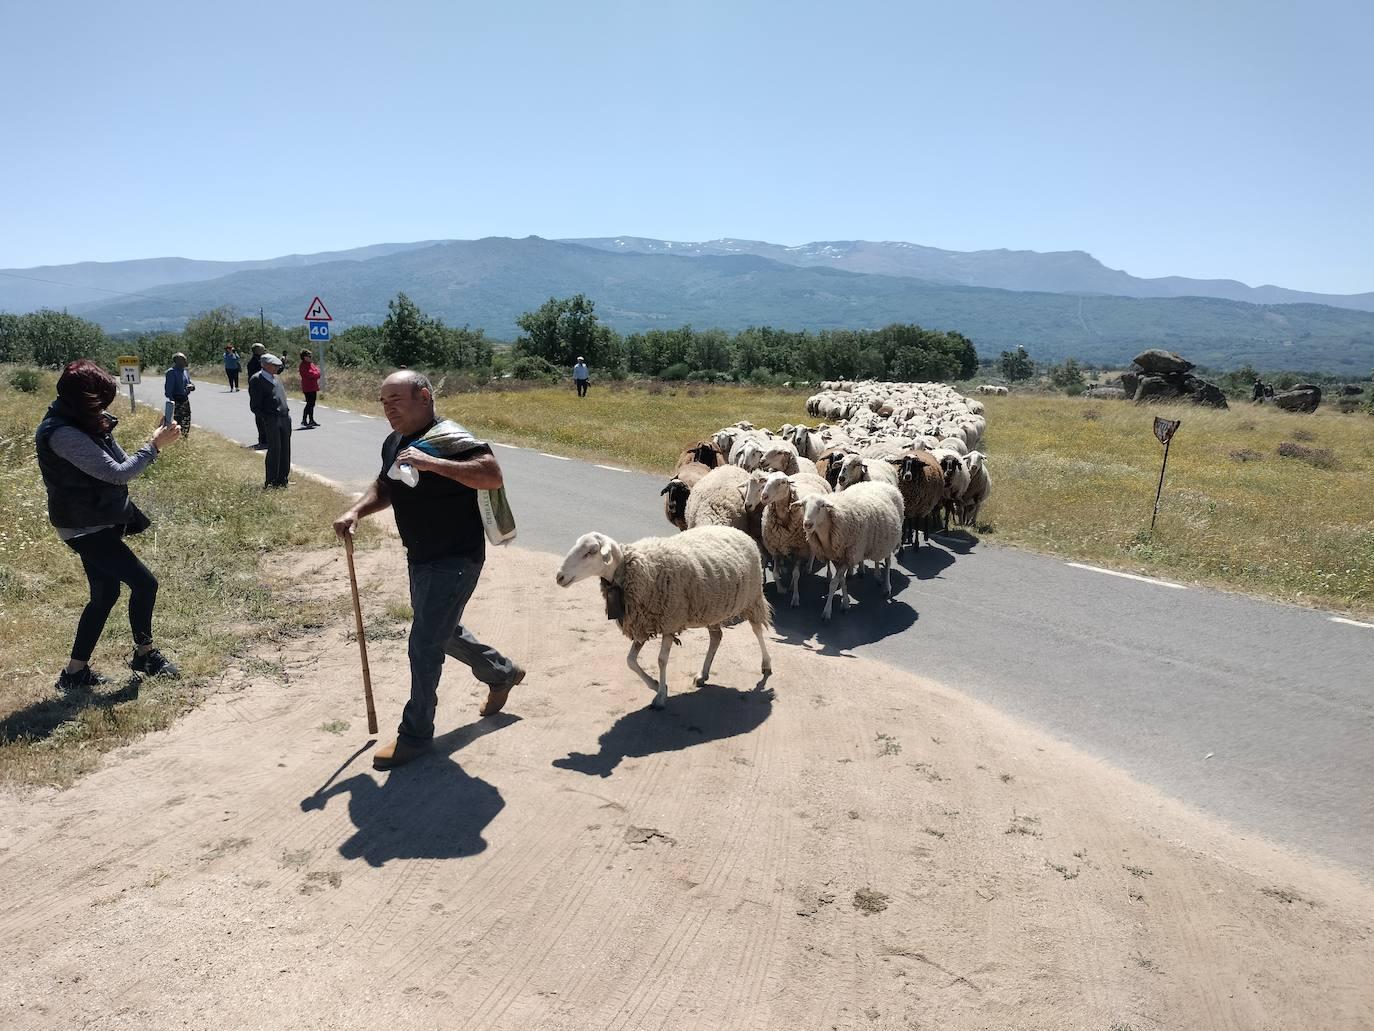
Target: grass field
x,y
214,537
1070,477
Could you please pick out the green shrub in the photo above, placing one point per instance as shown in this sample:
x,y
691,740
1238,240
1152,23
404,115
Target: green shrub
x,y
532,367
27,380
676,371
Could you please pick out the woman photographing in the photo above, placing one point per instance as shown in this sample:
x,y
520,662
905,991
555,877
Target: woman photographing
x,y
86,475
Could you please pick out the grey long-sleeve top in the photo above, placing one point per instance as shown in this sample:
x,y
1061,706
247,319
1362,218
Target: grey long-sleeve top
x,y
83,452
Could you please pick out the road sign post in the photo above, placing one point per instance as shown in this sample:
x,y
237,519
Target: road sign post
x,y
317,317
1164,432
130,372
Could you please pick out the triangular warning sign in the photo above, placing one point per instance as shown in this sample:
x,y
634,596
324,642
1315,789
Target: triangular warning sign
x,y
317,312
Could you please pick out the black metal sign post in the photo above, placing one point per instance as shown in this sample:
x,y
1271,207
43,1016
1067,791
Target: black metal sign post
x,y
1164,431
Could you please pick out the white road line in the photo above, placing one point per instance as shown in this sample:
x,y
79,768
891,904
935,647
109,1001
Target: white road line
x,y
613,468
511,447
1127,576
545,454
1351,622
345,411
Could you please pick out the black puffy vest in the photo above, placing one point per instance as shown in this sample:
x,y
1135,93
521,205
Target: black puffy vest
x,y
76,498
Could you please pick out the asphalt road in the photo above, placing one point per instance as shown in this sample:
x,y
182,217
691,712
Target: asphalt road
x,y
1259,713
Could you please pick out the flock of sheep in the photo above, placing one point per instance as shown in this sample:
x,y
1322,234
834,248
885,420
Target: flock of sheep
x,y
890,459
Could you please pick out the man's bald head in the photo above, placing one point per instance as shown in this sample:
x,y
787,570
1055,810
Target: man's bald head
x,y
408,401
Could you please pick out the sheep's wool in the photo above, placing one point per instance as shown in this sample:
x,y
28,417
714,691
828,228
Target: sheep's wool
x,y
702,577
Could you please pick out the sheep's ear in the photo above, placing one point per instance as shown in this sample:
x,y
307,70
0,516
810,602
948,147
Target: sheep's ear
x,y
796,506
744,490
606,552
666,489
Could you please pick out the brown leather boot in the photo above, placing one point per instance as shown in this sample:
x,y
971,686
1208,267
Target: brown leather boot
x,y
398,753
496,696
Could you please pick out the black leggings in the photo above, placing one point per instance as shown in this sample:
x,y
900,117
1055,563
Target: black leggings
x,y
309,414
233,375
108,563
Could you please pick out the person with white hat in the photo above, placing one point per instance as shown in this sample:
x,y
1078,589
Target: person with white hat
x,y
580,376
267,399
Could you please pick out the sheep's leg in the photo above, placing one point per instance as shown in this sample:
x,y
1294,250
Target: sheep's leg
x,y
796,581
715,633
763,646
844,586
661,698
832,585
887,577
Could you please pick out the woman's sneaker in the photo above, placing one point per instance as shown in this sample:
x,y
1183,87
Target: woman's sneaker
x,y
154,664
83,679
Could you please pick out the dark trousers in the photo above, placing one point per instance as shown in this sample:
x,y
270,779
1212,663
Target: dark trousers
x,y
581,387
439,591
308,416
262,429
108,563
233,375
277,467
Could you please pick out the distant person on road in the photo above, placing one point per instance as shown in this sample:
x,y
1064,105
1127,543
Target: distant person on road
x,y
178,387
441,528
255,367
86,475
310,387
581,377
267,398
231,366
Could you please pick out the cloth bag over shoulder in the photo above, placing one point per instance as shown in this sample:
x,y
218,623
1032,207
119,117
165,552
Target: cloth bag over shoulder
x,y
446,439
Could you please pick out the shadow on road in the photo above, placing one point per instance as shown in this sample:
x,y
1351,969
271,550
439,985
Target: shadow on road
x,y
924,563
870,618
430,809
707,714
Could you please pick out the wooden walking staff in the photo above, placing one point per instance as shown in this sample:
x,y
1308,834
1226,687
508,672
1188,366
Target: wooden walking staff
x,y
362,638
1164,432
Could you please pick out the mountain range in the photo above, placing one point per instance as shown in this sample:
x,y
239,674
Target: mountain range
x,y
1057,305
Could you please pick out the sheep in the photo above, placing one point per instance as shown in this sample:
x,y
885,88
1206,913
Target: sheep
x,y
783,534
807,442
922,484
980,486
718,499
859,470
954,444
679,490
829,463
956,480
704,452
661,586
862,523
782,457
747,453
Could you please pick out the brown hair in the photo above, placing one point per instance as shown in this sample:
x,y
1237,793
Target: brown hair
x,y
87,390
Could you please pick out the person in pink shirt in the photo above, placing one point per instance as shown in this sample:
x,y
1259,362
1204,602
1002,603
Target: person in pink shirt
x,y
310,386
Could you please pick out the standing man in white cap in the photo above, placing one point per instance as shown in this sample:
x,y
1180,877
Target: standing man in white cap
x,y
267,399
581,376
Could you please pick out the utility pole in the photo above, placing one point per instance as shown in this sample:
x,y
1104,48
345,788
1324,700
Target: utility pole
x,y
262,328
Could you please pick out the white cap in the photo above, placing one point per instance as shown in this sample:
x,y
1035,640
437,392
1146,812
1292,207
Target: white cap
x,y
272,359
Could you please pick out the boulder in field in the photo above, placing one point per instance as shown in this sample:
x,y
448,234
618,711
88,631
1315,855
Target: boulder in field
x,y
1130,380
1156,388
1158,362
1305,398
1208,394
1105,393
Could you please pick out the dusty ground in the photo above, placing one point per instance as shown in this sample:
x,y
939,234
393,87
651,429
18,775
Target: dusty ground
x,y
865,850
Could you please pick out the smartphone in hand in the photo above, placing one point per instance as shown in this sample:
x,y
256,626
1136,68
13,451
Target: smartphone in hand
x,y
167,411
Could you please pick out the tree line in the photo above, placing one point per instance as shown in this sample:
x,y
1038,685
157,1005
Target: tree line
x,y
552,338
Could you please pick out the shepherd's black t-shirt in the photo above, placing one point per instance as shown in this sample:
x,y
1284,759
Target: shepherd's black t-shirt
x,y
438,517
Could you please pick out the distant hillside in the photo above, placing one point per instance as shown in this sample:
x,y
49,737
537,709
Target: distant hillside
x,y
1071,272
61,286
488,283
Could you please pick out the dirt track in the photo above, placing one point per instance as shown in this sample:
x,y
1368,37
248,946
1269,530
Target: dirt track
x,y
865,849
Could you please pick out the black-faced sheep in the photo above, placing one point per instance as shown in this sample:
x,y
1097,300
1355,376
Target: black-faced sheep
x,y
679,490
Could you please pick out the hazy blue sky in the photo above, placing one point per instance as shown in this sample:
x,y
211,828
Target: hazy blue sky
x,y
1212,139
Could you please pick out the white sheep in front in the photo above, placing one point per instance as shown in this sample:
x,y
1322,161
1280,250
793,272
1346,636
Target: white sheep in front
x,y
860,524
661,586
